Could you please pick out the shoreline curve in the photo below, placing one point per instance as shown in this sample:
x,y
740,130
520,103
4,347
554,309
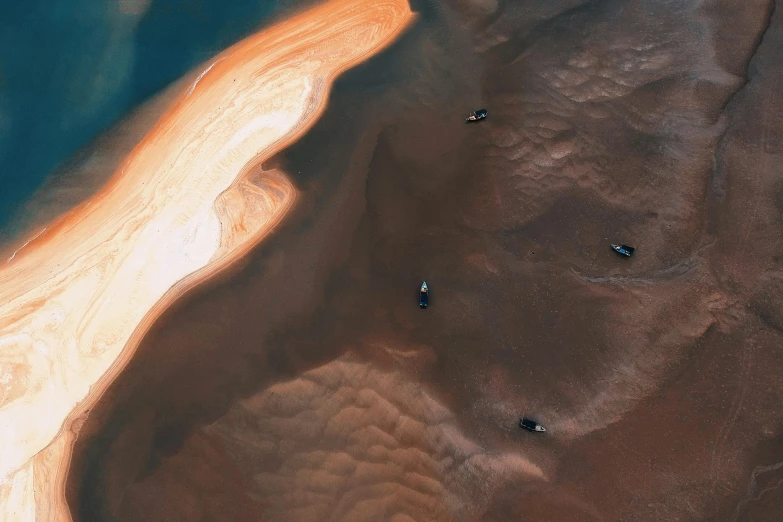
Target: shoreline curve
x,y
300,57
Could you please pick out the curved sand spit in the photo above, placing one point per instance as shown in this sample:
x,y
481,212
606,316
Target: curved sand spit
x,y
75,300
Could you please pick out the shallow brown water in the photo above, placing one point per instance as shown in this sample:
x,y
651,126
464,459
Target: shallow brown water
x,y
307,385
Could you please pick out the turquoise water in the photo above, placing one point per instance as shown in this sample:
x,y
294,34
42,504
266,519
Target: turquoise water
x,y
69,69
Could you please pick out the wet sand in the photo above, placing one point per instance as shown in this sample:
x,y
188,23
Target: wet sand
x,y
188,201
305,383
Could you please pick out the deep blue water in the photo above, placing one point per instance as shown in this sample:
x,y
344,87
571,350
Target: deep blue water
x,y
69,69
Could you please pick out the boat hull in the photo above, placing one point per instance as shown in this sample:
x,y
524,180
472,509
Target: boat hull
x,y
476,116
623,250
531,425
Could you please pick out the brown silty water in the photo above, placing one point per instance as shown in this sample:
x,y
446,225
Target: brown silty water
x,y
306,384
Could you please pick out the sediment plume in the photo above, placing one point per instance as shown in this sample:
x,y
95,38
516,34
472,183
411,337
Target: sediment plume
x,y
189,200
657,377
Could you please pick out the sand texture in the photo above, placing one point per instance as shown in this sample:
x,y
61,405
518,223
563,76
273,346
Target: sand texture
x,y
321,391
190,198
304,382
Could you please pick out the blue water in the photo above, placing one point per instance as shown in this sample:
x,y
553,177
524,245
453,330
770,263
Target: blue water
x,y
69,69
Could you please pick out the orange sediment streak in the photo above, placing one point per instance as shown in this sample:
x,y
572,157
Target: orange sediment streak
x,y
77,298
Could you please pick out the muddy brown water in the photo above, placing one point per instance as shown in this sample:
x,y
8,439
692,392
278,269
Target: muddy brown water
x,y
658,376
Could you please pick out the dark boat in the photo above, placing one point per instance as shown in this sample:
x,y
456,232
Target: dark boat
x,y
424,295
623,250
530,425
476,116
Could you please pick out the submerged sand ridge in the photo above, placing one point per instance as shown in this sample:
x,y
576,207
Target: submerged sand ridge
x,y
77,298
660,387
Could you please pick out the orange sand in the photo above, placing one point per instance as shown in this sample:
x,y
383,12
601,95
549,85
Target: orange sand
x,y
77,298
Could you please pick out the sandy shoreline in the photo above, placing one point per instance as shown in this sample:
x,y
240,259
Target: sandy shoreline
x,y
656,382
64,329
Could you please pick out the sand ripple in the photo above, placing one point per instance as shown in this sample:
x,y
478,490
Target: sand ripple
x,y
347,441
75,300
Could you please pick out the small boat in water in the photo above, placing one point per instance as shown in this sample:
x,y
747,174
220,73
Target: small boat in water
x,y
476,116
623,250
424,295
530,425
